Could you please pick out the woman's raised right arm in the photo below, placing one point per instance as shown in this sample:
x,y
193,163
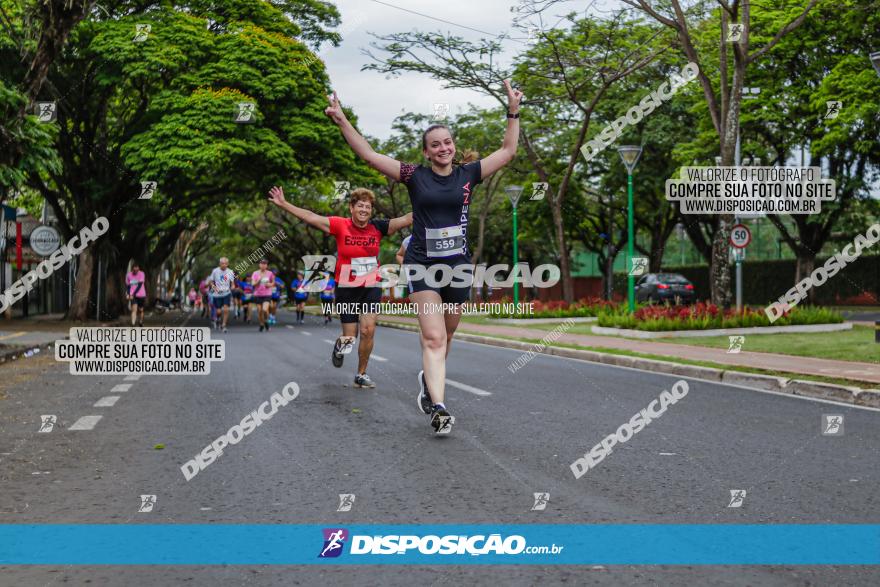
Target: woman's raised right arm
x,y
381,163
276,196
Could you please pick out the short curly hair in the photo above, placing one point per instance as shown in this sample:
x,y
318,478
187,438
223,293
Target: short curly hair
x,y
361,194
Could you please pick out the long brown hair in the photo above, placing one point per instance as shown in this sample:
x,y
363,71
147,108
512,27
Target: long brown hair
x,y
461,157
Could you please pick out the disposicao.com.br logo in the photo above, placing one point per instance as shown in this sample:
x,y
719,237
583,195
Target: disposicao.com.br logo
x,y
431,544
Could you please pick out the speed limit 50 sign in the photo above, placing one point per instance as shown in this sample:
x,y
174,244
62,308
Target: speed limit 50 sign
x,y
740,236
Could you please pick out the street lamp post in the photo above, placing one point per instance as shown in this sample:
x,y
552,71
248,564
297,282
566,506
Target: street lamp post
x,y
513,193
630,154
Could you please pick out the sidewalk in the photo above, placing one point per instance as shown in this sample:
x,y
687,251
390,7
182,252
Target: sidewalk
x,y
864,372
19,335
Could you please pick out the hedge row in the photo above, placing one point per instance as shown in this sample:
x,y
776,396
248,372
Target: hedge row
x,y
766,281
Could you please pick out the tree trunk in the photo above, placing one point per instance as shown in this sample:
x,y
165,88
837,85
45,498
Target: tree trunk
x,y
720,266
113,290
152,280
564,265
659,236
609,272
82,291
806,262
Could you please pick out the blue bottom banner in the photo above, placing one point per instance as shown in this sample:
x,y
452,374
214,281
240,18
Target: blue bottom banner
x,y
486,544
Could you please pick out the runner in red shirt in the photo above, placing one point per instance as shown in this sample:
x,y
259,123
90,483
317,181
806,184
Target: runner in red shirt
x,y
357,269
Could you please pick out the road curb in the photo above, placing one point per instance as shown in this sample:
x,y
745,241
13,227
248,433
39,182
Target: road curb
x,y
655,334
15,352
815,389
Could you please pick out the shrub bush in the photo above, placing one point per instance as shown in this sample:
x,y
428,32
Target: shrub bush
x,y
702,316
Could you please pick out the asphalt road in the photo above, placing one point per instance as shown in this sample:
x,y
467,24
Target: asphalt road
x,y
515,434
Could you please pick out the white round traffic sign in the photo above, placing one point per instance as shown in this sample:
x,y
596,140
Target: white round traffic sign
x,y
44,240
740,236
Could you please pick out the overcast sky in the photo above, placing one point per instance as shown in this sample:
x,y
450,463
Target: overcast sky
x,y
376,100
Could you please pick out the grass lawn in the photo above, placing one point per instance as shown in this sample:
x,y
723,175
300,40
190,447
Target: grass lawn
x,y
785,374
846,345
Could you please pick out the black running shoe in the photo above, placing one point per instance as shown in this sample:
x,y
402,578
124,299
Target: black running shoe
x,y
441,420
261,328
424,398
335,356
363,381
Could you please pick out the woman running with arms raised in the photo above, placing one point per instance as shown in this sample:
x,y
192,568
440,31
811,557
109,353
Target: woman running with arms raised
x,y
440,193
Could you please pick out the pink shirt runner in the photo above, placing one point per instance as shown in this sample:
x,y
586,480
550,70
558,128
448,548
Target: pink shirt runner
x,y
264,283
136,286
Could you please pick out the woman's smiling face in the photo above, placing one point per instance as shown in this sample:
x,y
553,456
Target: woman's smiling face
x,y
361,211
439,147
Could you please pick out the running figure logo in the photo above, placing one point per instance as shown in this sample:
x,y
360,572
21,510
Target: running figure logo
x,y
833,111
147,503
736,344
141,32
541,501
737,496
340,190
735,32
445,423
48,422
315,267
832,425
539,189
440,112
334,540
46,111
148,188
639,266
245,112
346,501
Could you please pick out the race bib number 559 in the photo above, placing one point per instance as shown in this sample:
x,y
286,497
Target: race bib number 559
x,y
444,242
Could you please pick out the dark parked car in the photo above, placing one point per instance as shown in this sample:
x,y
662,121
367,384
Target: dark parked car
x,y
665,287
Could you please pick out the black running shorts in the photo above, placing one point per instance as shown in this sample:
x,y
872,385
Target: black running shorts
x,y
360,300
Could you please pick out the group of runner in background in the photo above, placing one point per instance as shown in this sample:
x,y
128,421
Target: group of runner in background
x,y
257,295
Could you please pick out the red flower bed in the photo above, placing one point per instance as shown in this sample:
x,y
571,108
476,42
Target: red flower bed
x,y
698,310
389,299
555,305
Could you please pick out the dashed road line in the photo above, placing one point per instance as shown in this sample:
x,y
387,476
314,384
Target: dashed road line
x,y
132,377
378,358
468,388
85,423
107,401
121,387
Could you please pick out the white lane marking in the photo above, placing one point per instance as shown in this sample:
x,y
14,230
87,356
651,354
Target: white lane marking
x,y
132,377
378,358
328,341
305,333
466,387
85,423
668,454
288,326
121,387
106,401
